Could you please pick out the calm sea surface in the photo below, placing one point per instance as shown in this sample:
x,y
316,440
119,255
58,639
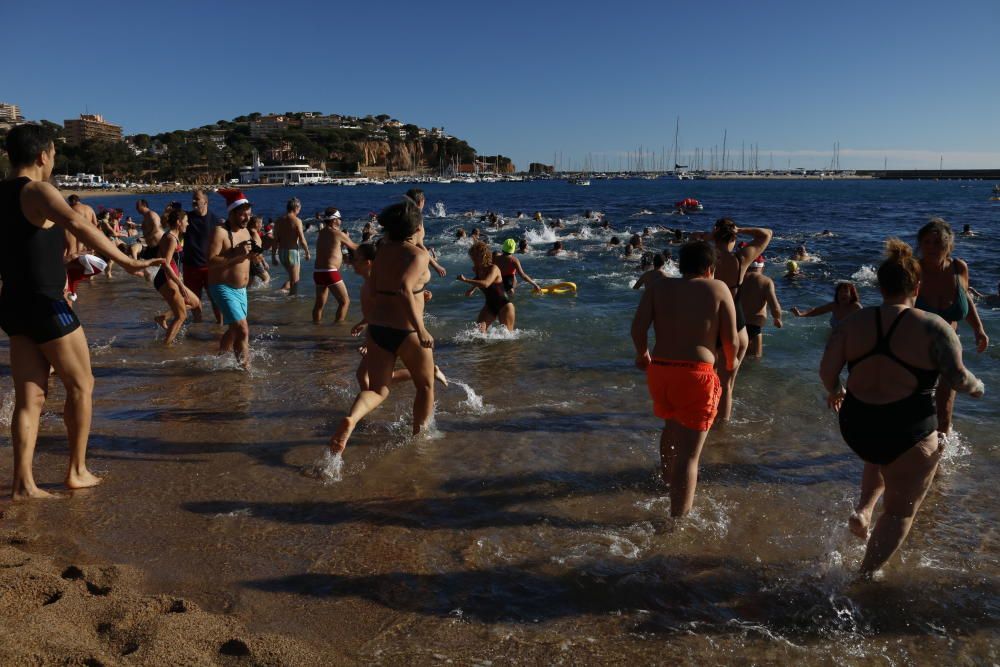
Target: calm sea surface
x,y
530,525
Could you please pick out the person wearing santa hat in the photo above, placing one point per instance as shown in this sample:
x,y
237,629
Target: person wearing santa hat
x,y
229,273
758,295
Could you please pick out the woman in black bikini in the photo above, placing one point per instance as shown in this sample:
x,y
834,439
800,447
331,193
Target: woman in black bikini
x,y
167,281
887,412
488,279
396,325
944,291
730,267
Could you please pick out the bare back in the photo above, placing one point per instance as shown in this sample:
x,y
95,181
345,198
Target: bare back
x,y
287,230
688,315
396,264
329,253
151,229
754,297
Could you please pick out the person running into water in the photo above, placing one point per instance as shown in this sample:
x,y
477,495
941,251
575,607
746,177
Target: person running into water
x,y
887,413
202,224
152,230
229,272
168,282
510,267
758,297
418,197
488,279
290,239
845,303
944,290
654,274
364,259
44,331
690,316
329,259
80,263
396,323
731,266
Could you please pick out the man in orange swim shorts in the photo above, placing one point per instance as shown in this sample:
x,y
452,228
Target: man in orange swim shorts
x,y
689,316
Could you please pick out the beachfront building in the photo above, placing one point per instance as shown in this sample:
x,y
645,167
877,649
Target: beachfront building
x,y
272,124
10,113
331,122
91,126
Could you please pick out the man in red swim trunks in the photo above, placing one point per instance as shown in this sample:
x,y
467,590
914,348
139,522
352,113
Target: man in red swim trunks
x,y
689,316
329,259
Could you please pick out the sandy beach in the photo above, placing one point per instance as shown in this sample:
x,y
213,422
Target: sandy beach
x,y
74,612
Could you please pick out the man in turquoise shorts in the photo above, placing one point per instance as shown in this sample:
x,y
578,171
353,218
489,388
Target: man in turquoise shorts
x,y
229,272
291,240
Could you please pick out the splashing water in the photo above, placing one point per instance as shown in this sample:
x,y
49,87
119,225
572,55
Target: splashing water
x,y
473,401
439,211
495,334
328,468
865,276
544,235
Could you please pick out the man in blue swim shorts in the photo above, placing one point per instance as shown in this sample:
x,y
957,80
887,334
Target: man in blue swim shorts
x,y
229,254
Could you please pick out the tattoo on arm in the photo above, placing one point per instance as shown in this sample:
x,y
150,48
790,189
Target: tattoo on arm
x,y
946,352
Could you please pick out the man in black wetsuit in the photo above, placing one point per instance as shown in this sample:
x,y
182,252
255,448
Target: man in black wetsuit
x,y
44,332
201,229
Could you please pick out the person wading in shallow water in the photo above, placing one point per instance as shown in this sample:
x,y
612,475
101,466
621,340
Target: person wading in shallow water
x,y
329,259
44,331
291,238
694,319
895,354
229,274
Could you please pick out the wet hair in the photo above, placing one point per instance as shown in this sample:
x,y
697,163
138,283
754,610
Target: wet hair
x,y
173,217
899,273
401,221
365,251
460,234
293,204
636,240
25,142
697,257
480,251
416,194
941,227
725,231
658,261
678,235
522,244
849,286
72,200
615,240
966,227
557,245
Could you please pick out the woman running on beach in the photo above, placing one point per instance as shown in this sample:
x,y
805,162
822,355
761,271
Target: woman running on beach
x,y
730,267
887,412
488,279
167,282
396,325
845,302
944,291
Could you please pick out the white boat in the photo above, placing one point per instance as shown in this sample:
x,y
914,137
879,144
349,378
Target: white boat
x,y
578,181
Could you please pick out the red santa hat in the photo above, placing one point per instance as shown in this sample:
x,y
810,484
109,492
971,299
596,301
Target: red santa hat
x,y
234,198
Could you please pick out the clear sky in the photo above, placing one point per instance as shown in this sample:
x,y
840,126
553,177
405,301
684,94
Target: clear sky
x,y
908,81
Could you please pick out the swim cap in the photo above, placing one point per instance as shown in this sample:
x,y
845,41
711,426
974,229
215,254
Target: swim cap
x,y
509,246
792,265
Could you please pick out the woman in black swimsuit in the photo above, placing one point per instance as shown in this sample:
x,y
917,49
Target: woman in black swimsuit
x,y
887,411
730,267
396,325
488,279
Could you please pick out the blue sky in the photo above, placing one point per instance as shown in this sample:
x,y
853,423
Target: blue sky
x,y
907,81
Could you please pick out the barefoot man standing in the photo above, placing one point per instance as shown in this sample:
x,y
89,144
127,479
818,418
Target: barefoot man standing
x,y
329,259
290,237
229,272
43,330
692,316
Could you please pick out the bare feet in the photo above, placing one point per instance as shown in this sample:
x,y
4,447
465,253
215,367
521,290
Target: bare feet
x,y
25,493
338,441
439,376
161,321
859,523
82,479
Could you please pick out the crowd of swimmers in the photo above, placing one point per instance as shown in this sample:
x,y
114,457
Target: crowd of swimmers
x,y
904,358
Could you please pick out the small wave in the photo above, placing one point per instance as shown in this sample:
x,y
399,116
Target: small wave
x,y
438,211
865,276
544,235
98,347
246,511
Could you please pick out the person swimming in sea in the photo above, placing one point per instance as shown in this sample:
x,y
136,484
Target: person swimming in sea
x,y
845,303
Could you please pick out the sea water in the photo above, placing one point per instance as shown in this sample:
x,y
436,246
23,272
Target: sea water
x,y
533,527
